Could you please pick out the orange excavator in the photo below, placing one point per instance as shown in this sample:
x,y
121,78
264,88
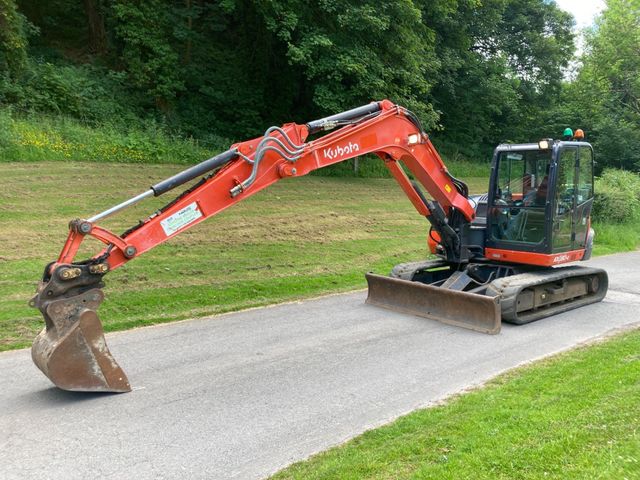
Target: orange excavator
x,y
495,255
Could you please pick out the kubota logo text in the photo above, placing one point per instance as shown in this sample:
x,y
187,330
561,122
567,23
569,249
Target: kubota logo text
x,y
337,152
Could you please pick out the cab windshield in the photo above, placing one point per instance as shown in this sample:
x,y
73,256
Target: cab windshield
x,y
523,177
521,196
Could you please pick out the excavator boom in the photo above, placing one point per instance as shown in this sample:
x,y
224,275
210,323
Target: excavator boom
x,y
382,128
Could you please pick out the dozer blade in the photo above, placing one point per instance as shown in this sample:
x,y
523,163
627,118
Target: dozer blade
x,y
462,309
71,350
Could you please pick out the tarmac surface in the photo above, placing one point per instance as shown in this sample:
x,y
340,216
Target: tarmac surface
x,y
244,394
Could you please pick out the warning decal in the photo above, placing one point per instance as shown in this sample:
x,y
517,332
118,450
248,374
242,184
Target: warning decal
x,y
181,218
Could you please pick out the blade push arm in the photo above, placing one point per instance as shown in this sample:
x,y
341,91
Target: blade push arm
x,y
382,128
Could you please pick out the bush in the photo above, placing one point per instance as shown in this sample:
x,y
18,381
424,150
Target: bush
x,y
91,94
37,137
6,130
617,197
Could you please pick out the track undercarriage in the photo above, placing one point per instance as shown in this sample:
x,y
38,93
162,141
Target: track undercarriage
x,y
480,296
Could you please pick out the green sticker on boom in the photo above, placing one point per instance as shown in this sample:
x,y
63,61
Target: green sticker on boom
x,y
181,219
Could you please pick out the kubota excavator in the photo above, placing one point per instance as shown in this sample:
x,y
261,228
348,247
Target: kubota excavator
x,y
496,252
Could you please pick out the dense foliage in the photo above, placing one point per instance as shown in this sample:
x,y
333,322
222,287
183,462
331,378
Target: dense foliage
x,y
617,197
606,94
477,72
13,39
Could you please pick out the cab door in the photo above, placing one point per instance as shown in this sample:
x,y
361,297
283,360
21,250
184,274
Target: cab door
x,y
573,197
520,199
584,195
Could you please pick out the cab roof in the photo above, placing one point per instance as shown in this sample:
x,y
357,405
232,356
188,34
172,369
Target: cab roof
x,y
510,147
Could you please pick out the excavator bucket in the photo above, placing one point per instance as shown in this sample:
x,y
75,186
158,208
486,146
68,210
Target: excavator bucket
x,y
462,309
71,350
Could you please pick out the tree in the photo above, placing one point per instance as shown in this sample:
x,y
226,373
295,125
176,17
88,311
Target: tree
x,y
254,62
95,23
350,53
13,38
144,31
476,72
607,89
502,64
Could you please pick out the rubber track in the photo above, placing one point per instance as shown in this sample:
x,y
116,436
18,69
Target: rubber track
x,y
406,271
508,289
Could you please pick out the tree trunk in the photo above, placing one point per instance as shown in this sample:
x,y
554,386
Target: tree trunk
x,y
187,52
95,22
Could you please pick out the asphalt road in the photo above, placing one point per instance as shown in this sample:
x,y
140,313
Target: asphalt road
x,y
243,395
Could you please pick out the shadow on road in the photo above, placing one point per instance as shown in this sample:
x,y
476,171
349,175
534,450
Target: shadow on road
x,y
55,396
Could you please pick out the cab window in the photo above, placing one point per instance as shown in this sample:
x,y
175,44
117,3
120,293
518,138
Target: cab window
x,y
523,178
521,196
585,175
566,180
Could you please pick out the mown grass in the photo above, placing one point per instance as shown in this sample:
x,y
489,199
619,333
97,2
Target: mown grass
x,y
575,416
297,239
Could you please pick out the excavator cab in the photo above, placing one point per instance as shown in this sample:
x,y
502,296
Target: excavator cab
x,y
539,202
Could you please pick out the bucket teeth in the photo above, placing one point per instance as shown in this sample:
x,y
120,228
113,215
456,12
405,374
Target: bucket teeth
x,y
71,350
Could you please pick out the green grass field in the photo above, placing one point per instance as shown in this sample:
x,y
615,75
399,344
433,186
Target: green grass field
x,y
300,238
297,239
575,416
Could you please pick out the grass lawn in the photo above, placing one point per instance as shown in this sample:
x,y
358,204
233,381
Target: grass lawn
x,y
613,238
575,416
299,238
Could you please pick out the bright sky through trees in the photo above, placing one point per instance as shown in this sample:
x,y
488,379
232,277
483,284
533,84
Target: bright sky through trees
x,y
583,10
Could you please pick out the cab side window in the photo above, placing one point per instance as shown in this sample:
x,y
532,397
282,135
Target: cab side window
x,y
566,180
585,175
